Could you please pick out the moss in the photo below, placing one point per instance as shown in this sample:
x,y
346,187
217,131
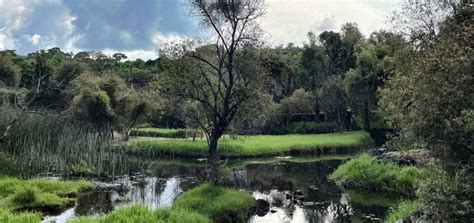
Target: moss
x,y
365,172
137,213
218,203
255,146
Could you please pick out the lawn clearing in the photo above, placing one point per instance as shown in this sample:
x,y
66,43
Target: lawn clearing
x,y
254,146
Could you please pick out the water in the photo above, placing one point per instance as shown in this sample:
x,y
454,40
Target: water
x,y
295,189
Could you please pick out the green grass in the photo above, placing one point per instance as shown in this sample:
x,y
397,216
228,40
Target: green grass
x,y
218,203
403,211
158,132
137,213
26,217
203,204
254,146
16,194
365,172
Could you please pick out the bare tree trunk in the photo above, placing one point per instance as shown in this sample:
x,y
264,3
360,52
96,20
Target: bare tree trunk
x,y
213,150
366,115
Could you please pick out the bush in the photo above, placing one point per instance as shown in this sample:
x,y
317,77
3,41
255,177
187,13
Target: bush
x,y
157,132
218,203
447,198
366,172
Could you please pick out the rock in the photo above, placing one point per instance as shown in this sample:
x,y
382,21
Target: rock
x,y
273,211
289,196
299,193
262,207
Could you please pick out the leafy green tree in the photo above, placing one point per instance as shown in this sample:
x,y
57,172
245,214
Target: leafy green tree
x,y
10,73
334,101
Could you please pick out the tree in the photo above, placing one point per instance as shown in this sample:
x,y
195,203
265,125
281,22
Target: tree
x,y
334,101
221,74
10,74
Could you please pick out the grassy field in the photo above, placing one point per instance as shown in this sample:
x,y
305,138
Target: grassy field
x,y
158,132
254,146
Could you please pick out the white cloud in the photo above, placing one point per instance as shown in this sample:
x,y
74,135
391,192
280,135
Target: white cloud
x,y
290,20
35,39
134,54
160,38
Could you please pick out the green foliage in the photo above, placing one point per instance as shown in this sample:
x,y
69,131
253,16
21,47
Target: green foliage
x,y
445,197
10,74
311,127
365,172
137,213
217,203
403,210
157,132
261,145
38,193
27,217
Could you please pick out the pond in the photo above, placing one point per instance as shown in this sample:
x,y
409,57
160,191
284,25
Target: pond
x,y
293,189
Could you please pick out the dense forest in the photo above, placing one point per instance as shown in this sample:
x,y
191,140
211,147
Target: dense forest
x,y
411,88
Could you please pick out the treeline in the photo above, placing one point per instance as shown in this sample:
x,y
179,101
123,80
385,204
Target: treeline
x,y
332,78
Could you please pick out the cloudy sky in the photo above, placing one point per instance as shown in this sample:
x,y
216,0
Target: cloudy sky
x,y
138,27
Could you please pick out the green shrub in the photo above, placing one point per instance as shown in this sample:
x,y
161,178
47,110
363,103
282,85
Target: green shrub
x,y
27,217
218,203
137,213
157,132
366,172
312,127
404,210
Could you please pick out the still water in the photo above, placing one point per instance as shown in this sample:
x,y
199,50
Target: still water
x,y
289,189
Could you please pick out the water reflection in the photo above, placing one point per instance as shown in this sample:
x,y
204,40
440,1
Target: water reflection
x,y
295,191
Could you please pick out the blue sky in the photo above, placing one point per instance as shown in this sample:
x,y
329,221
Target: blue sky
x,y
138,27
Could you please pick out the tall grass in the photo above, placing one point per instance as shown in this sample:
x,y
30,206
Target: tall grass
x,y
38,143
365,172
262,145
27,217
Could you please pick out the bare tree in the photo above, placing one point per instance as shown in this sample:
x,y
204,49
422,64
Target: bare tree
x,y
218,77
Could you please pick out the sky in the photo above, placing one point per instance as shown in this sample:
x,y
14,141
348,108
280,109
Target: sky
x,y
138,28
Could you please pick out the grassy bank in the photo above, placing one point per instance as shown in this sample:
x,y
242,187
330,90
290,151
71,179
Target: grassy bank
x,y
158,132
253,146
138,213
403,210
38,194
365,172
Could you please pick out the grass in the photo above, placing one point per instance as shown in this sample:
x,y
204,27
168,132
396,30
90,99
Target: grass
x,y
26,217
40,144
254,146
365,172
159,132
404,210
137,213
38,194
218,203
203,204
